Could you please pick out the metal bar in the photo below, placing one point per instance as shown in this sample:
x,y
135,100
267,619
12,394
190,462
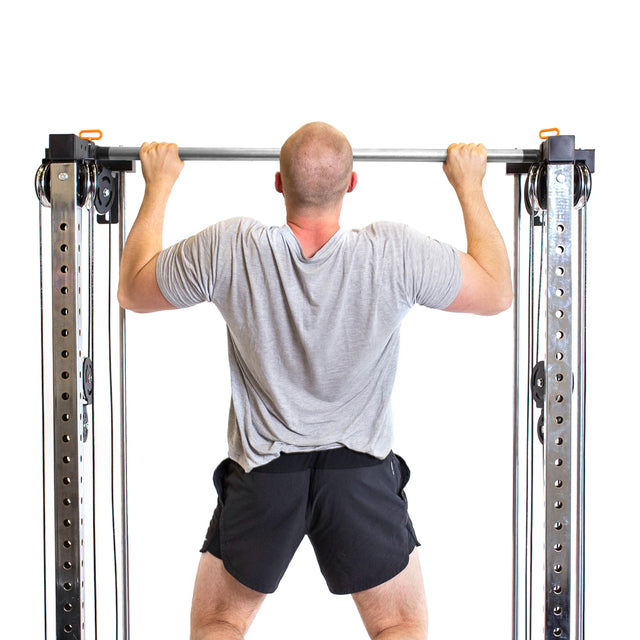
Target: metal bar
x,y
515,615
532,358
581,417
45,363
558,403
68,423
124,515
364,155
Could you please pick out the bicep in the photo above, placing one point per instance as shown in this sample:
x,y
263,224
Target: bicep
x,y
144,295
477,292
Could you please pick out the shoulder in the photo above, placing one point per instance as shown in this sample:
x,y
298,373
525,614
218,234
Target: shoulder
x,y
384,228
232,231
239,224
396,234
383,232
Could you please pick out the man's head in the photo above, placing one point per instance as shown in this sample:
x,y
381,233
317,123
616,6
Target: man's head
x,y
316,167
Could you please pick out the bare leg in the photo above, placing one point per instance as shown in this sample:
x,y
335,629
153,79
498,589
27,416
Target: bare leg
x,y
222,608
397,609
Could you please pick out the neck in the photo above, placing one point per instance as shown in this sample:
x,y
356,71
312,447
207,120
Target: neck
x,y
313,231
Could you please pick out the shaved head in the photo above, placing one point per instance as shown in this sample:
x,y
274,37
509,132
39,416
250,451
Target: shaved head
x,y
316,163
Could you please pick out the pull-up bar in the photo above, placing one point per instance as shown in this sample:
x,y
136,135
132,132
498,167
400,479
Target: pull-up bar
x,y
365,155
71,148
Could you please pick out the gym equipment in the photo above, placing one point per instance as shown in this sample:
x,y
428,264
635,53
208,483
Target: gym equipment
x,y
83,183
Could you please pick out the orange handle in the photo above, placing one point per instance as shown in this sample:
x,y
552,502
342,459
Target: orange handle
x,y
90,134
553,130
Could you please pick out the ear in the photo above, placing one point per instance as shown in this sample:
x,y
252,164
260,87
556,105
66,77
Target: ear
x,y
352,182
278,183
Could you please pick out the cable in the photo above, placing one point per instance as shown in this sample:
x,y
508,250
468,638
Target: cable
x,y
90,340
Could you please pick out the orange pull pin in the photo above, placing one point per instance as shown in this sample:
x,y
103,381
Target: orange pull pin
x,y
90,134
553,130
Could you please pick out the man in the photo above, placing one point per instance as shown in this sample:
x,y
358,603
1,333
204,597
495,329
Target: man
x,y
313,315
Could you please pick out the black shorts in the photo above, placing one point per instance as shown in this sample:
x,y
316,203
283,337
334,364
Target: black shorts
x,y
351,505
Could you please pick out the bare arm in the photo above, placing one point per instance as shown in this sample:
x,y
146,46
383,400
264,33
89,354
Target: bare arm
x,y
486,274
138,289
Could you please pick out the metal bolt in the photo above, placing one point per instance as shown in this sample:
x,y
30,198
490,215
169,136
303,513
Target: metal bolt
x,y
560,177
106,192
63,176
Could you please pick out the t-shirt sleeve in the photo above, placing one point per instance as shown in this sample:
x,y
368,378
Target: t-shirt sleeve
x,y
185,272
432,270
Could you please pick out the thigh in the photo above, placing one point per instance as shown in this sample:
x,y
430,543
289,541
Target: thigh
x,y
258,524
219,598
359,524
400,602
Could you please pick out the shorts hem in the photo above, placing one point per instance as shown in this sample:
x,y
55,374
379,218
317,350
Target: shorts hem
x,y
376,582
236,576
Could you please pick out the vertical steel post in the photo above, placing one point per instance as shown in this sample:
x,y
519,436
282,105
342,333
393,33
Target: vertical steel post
x,y
558,402
68,405
124,514
581,415
517,405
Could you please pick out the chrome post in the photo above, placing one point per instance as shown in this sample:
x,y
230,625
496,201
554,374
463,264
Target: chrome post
x,y
558,402
124,515
581,412
68,400
517,197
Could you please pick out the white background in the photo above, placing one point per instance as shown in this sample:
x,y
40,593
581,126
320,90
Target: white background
x,y
403,74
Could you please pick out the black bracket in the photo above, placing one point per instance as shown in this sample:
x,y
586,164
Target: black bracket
x,y
72,148
555,150
87,380
538,393
107,198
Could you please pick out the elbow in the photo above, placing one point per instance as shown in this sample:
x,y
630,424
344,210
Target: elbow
x,y
123,300
141,299
508,301
504,304
501,302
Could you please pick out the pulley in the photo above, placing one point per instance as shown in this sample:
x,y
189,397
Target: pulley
x,y
535,192
85,184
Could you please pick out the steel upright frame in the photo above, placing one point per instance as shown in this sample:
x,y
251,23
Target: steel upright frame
x,y
550,376
77,174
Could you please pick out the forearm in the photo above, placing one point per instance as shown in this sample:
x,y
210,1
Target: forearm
x,y
138,288
484,241
144,241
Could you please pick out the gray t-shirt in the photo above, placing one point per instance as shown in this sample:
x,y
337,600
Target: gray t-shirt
x,y
313,342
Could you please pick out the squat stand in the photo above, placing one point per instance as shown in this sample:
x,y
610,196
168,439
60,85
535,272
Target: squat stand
x,y
80,181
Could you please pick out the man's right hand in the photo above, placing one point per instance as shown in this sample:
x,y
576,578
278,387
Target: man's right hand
x,y
465,166
486,275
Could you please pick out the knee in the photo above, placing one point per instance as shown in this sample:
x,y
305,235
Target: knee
x,y
415,630
216,630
